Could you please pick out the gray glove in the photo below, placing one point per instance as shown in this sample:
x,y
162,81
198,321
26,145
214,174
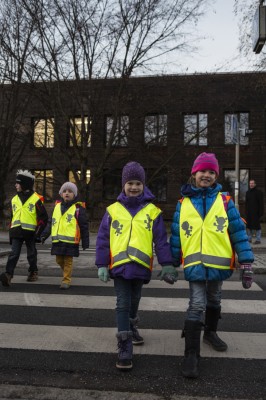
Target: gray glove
x,y
103,274
169,274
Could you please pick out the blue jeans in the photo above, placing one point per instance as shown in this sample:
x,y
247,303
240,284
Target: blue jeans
x,y
251,232
15,253
203,294
128,295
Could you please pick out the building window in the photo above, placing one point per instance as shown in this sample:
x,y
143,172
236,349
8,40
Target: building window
x,y
155,130
43,132
79,131
230,178
118,135
196,129
111,184
44,183
158,184
71,176
233,123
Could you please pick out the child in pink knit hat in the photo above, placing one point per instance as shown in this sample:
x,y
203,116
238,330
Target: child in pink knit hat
x,y
207,230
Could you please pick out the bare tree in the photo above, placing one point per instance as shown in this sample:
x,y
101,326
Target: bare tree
x,y
245,11
93,40
16,37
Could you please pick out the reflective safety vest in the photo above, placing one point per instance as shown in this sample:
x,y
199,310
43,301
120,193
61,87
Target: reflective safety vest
x,y
131,238
206,241
25,215
65,227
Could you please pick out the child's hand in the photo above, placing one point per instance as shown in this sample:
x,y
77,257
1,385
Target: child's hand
x,y
103,274
169,274
246,275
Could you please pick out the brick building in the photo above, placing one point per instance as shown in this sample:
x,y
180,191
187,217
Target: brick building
x,y
94,127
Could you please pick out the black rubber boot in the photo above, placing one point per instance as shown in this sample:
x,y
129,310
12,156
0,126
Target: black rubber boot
x,y
125,350
190,363
210,336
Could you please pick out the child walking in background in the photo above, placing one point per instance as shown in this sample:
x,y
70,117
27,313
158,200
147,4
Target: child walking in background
x,y
206,232
124,251
67,226
28,219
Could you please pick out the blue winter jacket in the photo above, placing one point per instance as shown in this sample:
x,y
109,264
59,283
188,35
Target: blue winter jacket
x,y
133,270
202,199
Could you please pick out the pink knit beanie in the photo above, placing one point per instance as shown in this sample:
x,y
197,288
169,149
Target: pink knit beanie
x,y
205,161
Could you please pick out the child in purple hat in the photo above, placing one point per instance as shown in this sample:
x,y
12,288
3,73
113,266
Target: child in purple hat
x,y
207,230
124,252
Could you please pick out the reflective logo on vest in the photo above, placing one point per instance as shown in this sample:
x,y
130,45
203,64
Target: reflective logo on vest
x,y
220,223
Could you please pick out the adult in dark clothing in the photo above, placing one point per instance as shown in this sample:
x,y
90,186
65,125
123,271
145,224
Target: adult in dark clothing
x,y
254,211
28,220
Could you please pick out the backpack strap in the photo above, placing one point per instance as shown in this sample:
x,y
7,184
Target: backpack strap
x,y
226,197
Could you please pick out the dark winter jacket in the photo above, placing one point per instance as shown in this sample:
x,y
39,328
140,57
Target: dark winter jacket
x,y
70,249
202,199
133,270
254,208
42,218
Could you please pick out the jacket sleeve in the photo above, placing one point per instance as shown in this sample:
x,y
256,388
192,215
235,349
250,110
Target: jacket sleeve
x,y
42,218
238,235
84,228
161,246
175,241
261,204
103,242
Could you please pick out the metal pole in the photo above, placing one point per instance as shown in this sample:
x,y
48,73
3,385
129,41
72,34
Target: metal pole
x,y
237,168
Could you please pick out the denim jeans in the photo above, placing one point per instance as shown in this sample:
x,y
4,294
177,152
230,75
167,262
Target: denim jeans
x,y
15,253
251,232
128,295
203,294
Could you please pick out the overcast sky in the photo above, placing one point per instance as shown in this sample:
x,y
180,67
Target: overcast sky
x,y
218,52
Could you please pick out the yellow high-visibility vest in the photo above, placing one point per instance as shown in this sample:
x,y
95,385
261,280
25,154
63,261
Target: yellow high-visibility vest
x,y
205,241
25,215
131,238
65,228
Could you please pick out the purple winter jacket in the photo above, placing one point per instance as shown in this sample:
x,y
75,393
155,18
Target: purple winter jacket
x,y
133,270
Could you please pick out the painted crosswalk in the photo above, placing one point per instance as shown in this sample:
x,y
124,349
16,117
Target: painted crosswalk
x,y
45,297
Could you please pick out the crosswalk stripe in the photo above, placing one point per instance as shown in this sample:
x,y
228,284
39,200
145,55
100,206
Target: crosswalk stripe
x,y
109,302
154,284
157,342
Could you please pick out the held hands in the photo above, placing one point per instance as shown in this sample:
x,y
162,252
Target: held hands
x,y
246,275
103,274
169,274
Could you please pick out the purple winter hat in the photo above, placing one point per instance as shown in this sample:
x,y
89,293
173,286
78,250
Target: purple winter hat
x,y
133,171
205,161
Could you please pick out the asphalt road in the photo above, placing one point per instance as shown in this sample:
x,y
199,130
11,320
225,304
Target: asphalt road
x,y
35,365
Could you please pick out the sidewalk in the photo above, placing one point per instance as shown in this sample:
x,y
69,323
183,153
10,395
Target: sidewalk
x,y
259,266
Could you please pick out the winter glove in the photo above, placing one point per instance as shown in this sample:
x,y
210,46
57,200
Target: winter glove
x,y
43,239
246,275
169,274
103,274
